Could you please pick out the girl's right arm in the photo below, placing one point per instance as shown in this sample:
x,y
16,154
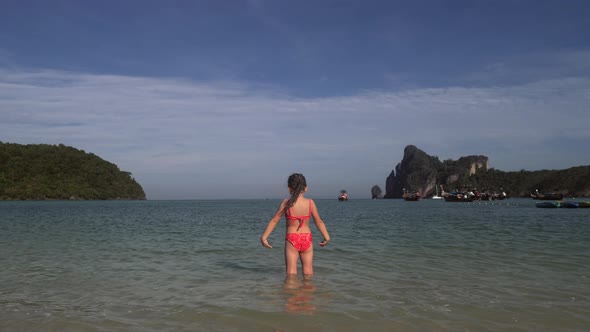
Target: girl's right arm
x,y
320,225
272,224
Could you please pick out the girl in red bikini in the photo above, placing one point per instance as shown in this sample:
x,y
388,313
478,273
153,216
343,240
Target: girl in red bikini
x,y
298,242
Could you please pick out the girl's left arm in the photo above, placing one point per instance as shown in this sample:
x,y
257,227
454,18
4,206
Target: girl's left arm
x,y
320,224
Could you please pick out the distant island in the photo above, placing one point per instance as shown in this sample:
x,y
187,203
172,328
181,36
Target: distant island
x,y
420,173
59,172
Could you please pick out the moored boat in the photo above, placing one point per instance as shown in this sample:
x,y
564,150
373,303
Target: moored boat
x,y
412,197
584,204
569,204
436,196
546,196
458,197
547,205
490,196
409,196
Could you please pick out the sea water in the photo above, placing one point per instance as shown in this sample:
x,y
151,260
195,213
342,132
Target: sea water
x,y
392,265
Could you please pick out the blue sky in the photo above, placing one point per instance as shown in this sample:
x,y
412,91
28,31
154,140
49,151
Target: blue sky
x,y
225,99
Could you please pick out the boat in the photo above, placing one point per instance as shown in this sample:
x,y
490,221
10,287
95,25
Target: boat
x,y
569,204
547,205
584,204
546,196
436,196
487,196
343,196
412,197
409,196
458,197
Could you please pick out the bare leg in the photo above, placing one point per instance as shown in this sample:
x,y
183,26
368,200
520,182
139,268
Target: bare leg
x,y
291,282
291,256
299,296
307,262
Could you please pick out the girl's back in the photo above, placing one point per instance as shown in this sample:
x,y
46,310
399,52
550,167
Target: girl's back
x,y
301,207
298,216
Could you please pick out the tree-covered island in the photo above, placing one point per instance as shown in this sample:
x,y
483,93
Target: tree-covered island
x,y
58,172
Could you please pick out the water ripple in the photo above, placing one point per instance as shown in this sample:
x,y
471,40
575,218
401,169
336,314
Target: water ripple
x,y
391,265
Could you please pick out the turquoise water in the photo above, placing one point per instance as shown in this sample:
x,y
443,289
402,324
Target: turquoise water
x,y
392,265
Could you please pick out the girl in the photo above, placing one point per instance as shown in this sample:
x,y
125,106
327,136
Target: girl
x,y
298,241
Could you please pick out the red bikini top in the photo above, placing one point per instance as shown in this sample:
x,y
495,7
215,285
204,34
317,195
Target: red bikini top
x,y
301,219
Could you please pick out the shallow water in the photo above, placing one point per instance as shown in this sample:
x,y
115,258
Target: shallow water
x,y
392,265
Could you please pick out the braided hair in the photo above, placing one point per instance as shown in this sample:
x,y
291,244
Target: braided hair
x,y
297,184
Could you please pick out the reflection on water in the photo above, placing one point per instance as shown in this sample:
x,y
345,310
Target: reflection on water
x,y
300,294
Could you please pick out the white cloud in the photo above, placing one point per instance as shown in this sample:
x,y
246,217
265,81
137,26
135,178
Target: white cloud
x,y
535,66
229,132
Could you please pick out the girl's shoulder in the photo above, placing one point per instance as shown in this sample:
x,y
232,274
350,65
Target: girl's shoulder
x,y
305,200
309,201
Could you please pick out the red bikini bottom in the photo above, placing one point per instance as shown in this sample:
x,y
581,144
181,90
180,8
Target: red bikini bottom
x,y
301,241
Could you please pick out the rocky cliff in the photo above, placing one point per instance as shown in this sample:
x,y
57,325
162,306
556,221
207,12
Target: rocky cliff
x,y
419,172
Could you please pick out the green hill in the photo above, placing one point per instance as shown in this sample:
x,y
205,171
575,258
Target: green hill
x,y
41,171
571,182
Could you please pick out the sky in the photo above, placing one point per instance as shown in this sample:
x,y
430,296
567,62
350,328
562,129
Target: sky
x,y
225,99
